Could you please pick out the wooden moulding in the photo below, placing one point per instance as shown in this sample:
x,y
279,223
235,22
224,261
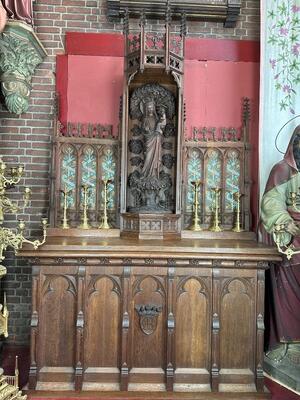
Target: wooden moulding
x,y
226,11
77,232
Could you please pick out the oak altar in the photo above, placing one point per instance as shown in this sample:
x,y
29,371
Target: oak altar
x,y
116,314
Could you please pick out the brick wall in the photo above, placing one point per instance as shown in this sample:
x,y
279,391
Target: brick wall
x,y
27,139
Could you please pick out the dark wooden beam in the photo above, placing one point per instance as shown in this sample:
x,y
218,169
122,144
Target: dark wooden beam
x,y
226,11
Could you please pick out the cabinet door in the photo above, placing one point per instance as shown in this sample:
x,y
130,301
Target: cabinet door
x,y
148,333
236,291
192,329
57,322
103,301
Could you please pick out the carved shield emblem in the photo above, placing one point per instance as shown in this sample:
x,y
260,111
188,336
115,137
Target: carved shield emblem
x,y
148,317
148,324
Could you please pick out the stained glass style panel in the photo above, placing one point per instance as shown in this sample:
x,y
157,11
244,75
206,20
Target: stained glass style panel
x,y
108,172
232,179
89,175
68,175
213,177
194,172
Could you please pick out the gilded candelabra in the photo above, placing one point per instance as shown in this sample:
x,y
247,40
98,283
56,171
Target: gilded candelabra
x,y
105,224
8,238
279,232
196,221
85,222
65,224
216,210
237,226
15,175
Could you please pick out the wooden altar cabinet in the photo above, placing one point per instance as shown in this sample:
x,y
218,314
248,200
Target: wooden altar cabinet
x,y
111,314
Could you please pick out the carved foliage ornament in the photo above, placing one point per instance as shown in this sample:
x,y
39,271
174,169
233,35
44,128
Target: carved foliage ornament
x,y
20,53
161,96
148,317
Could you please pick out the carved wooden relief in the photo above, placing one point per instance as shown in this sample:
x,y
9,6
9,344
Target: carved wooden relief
x,y
148,314
151,148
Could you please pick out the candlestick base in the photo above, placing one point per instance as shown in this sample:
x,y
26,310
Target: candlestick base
x,y
85,225
195,227
104,225
237,229
216,228
65,225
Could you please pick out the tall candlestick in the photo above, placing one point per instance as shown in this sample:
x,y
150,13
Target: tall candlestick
x,y
85,223
105,224
216,219
237,226
65,224
196,221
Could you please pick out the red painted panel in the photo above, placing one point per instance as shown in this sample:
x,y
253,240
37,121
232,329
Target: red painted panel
x,y
94,89
62,85
222,49
108,44
95,44
91,87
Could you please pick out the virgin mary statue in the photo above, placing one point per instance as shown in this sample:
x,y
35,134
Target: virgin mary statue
x,y
153,127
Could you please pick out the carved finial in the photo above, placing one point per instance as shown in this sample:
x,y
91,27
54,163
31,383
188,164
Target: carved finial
x,y
246,109
121,108
56,105
183,25
168,12
143,18
126,22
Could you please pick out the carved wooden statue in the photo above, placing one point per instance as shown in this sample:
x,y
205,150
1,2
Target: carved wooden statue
x,y
150,182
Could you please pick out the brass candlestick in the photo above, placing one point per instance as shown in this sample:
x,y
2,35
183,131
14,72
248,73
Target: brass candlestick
x,y
105,224
237,226
85,223
196,221
216,220
65,224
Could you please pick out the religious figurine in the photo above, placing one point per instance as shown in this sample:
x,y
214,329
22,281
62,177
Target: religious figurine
x,y
153,106
20,10
278,209
153,130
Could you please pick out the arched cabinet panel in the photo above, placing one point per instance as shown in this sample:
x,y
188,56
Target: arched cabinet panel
x,y
148,333
102,333
56,329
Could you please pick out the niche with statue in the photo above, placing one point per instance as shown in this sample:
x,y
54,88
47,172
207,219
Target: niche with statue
x,y
151,133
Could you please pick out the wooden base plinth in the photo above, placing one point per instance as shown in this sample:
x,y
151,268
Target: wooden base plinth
x,y
150,395
150,226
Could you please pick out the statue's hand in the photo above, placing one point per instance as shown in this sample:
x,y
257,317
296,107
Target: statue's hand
x,y
293,228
